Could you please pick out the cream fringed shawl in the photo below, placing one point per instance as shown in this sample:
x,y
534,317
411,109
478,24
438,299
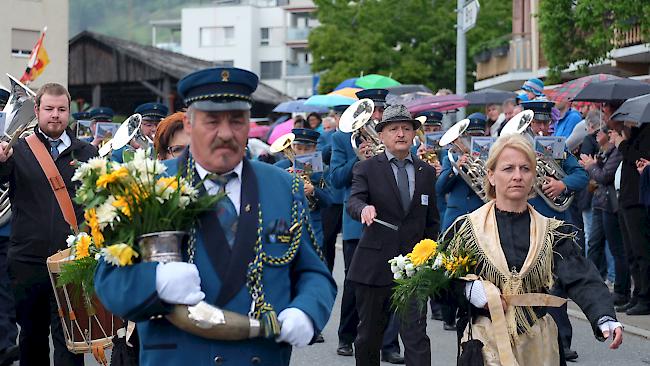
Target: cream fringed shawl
x,y
477,233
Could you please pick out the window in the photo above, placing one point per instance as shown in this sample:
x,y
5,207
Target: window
x,y
22,41
271,70
264,36
216,36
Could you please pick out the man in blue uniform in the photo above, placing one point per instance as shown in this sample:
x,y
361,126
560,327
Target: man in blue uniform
x,y
301,291
317,196
333,214
461,198
98,114
576,179
152,114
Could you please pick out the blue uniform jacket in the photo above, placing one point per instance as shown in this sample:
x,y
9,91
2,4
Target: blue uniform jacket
x,y
323,199
343,159
461,199
325,146
576,180
305,283
441,199
567,123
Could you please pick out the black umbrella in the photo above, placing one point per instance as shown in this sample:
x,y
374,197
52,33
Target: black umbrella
x,y
610,91
635,109
408,88
488,96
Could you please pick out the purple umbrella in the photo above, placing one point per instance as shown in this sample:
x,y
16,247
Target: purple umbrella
x,y
279,130
440,103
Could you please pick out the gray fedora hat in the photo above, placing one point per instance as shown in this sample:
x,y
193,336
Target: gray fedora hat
x,y
397,113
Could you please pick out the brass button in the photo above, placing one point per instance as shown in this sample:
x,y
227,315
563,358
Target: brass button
x,y
255,360
218,360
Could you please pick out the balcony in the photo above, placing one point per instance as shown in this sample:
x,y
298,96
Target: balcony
x,y
298,35
298,70
516,56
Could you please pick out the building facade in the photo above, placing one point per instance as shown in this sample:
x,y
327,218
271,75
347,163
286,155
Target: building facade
x,y
18,35
268,37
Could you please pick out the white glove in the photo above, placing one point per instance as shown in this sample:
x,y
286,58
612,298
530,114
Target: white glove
x,y
297,328
609,326
475,293
179,283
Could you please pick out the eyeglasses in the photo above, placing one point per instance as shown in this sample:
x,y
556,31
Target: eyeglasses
x,y
175,150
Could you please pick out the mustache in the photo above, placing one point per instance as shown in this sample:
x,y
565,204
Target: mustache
x,y
221,143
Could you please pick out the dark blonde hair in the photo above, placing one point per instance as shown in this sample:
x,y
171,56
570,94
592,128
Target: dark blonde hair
x,y
514,141
51,89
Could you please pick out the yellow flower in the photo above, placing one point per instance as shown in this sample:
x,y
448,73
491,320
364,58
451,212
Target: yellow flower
x,y
119,254
105,179
422,251
122,205
82,247
168,182
93,223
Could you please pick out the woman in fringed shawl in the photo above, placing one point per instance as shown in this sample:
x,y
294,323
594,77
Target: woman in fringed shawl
x,y
520,254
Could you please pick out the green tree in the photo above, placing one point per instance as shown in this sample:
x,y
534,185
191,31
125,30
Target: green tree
x,y
592,26
413,41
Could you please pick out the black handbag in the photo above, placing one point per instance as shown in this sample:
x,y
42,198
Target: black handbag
x,y
471,351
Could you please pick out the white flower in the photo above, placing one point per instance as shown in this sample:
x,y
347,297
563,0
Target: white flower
x,y
95,164
400,261
394,268
397,276
438,262
146,168
410,270
70,240
107,213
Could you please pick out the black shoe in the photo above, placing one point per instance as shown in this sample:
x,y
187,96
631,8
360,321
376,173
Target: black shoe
x,y
319,338
448,326
620,299
570,355
9,355
345,349
436,315
623,308
392,357
639,309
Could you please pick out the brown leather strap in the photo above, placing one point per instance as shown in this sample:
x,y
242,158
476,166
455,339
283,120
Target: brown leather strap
x,y
54,177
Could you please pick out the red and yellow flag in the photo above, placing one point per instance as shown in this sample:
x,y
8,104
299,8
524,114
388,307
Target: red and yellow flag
x,y
38,59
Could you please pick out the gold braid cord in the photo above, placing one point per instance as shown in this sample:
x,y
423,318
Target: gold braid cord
x,y
539,276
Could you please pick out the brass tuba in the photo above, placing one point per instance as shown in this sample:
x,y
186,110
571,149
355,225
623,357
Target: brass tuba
x,y
19,121
357,119
473,172
546,167
128,131
283,145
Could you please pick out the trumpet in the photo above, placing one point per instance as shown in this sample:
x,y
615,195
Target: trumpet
x,y
283,145
473,172
357,119
546,167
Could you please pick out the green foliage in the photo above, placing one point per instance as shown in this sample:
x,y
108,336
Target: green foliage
x,y
592,25
419,288
412,41
78,276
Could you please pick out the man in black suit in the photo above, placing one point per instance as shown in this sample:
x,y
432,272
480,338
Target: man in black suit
x,y
393,194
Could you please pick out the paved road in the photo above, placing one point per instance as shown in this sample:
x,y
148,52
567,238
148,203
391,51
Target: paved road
x,y
635,350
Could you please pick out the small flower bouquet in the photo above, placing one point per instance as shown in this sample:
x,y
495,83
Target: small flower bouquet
x,y
122,202
425,272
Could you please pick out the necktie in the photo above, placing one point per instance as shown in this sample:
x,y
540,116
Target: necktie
x,y
226,210
403,183
54,148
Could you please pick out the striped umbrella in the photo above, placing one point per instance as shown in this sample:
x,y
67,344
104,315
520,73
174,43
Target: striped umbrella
x,y
571,88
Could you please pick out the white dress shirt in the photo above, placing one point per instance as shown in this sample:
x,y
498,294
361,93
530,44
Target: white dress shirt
x,y
233,187
65,140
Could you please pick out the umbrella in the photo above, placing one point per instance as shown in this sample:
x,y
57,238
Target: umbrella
x,y
408,88
347,83
376,81
329,100
279,130
616,90
488,96
440,106
571,88
298,106
258,131
635,109
346,92
406,98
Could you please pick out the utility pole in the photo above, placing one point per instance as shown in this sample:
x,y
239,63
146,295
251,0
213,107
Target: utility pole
x,y
461,55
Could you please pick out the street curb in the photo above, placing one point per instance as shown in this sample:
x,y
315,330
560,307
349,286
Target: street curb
x,y
628,328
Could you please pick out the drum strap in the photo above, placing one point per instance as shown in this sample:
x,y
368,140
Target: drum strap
x,y
54,178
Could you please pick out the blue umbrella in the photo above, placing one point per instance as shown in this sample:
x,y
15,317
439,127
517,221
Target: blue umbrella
x,y
329,100
298,106
347,83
